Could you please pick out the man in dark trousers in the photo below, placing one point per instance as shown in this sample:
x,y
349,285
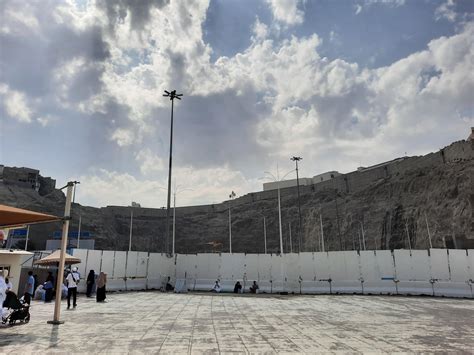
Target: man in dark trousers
x,y
72,281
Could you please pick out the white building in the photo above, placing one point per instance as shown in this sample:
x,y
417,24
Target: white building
x,y
303,181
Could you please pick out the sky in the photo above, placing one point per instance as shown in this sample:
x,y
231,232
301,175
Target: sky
x,y
340,83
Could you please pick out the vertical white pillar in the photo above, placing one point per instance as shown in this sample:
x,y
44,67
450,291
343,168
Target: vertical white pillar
x,y
62,259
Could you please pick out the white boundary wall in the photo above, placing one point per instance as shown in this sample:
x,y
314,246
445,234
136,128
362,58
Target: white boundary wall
x,y
434,272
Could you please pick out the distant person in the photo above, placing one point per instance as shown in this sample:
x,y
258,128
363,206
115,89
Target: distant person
x,y
217,287
40,293
35,276
169,286
238,287
90,283
72,280
9,284
101,283
3,290
254,287
48,287
29,287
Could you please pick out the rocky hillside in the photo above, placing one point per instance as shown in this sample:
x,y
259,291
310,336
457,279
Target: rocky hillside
x,y
386,206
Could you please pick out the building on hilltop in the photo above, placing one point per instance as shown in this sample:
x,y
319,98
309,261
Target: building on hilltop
x,y
471,136
27,178
303,181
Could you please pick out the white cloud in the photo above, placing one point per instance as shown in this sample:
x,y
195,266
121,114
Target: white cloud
x,y
287,11
364,4
243,113
446,11
16,104
149,162
123,137
208,186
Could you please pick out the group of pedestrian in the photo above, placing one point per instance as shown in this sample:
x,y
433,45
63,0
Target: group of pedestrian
x,y
237,287
73,279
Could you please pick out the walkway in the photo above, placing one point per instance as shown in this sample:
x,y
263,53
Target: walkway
x,y
195,323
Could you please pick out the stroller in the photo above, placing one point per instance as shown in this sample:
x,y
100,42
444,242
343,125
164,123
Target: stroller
x,y
20,310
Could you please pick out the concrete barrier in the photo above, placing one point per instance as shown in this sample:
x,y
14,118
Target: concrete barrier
x,y
434,272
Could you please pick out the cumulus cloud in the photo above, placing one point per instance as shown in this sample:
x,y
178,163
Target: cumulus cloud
x,y
15,104
149,162
364,4
446,11
205,186
123,137
107,63
286,11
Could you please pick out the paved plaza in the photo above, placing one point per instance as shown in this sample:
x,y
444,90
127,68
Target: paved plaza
x,y
146,322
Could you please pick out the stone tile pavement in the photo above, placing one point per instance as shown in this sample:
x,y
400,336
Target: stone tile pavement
x,y
146,322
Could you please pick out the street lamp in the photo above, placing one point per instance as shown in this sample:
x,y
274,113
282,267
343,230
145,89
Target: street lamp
x,y
231,197
363,234
264,232
176,192
296,160
172,95
278,180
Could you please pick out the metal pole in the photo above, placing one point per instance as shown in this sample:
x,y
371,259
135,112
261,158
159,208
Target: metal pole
x,y
79,231
408,234
169,182
62,259
291,246
27,235
230,229
131,229
322,231
174,219
265,234
279,219
363,234
429,234
337,219
296,160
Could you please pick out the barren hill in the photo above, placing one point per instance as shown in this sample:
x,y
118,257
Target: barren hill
x,y
391,205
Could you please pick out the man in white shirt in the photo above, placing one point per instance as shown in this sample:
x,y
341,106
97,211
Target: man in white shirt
x,y
72,281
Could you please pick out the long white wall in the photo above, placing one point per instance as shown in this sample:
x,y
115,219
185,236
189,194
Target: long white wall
x,y
436,272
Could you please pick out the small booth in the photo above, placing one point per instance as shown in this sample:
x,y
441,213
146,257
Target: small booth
x,y
11,261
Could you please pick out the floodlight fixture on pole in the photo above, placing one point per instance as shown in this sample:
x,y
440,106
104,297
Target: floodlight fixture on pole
x,y
172,95
296,160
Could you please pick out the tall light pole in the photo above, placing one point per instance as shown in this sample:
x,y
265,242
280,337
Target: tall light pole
x,y
172,95
278,180
296,160
176,192
231,197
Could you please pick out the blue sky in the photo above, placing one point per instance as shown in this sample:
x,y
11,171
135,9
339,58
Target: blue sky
x,y
340,83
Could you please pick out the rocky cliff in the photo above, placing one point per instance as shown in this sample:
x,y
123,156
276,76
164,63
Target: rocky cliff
x,y
388,206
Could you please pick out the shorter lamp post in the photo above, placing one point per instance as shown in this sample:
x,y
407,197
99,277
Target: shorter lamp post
x,y
231,197
176,191
277,179
264,232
